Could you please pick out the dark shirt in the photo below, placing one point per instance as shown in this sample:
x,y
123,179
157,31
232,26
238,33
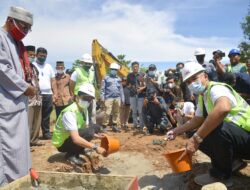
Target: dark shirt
x,y
135,81
211,71
156,111
126,95
242,83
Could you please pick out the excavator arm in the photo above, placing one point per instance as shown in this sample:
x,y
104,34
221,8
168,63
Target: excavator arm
x,y
102,59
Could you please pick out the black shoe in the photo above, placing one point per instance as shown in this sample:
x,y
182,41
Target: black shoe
x,y
238,165
116,129
74,159
47,136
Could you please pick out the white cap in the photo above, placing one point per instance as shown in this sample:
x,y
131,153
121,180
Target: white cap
x,y
114,66
21,14
199,51
86,58
190,69
88,89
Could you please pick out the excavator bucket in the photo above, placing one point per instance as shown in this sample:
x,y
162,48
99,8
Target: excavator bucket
x,y
102,59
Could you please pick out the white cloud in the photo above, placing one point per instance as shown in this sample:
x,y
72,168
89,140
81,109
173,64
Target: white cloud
x,y
67,30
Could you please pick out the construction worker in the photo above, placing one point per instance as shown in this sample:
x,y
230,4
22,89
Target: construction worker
x,y
200,54
235,66
70,133
112,96
222,122
82,75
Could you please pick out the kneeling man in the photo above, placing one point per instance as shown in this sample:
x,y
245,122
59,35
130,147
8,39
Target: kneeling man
x,y
70,133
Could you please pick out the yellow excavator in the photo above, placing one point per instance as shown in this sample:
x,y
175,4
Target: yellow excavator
x,y
102,59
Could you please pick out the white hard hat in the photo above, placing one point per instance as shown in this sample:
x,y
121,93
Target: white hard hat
x,y
86,58
199,51
88,89
21,14
114,66
190,69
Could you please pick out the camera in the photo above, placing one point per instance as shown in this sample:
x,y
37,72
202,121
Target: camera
x,y
219,53
150,97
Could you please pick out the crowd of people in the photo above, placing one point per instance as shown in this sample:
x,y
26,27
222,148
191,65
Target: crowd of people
x,y
208,101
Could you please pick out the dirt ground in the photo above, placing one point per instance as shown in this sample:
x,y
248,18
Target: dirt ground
x,y
138,156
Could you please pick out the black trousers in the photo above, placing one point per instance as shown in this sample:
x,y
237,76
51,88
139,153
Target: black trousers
x,y
59,109
47,107
225,144
87,133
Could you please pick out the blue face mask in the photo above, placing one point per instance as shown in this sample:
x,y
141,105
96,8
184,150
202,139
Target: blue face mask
x,y
113,72
196,87
151,73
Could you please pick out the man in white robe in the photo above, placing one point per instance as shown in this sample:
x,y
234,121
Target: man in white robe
x,y
15,87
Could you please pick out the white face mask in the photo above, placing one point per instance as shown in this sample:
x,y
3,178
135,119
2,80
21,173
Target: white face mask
x,y
171,85
84,104
60,71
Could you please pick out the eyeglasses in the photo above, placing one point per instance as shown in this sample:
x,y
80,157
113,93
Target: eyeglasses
x,y
21,25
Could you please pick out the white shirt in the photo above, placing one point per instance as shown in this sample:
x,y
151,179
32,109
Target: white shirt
x,y
69,121
188,108
74,76
216,92
46,73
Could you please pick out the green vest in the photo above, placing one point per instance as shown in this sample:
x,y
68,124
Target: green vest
x,y
60,134
83,78
229,67
239,115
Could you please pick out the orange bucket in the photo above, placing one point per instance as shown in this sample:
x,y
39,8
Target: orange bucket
x,y
110,144
183,165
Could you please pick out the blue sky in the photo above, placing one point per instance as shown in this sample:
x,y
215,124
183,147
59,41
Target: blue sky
x,y
143,30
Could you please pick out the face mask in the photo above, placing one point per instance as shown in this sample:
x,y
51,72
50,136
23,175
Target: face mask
x,y
16,33
196,87
41,60
171,85
31,59
60,72
84,104
113,72
151,73
86,67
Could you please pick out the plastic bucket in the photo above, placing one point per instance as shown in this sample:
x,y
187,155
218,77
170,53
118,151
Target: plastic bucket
x,y
111,145
183,165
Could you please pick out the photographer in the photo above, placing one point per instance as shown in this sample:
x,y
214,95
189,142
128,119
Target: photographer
x,y
136,86
218,55
172,90
154,112
151,79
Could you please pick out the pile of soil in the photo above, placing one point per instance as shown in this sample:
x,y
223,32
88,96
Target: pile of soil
x,y
138,155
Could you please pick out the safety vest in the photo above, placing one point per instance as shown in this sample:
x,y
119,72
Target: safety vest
x,y
239,115
83,77
60,134
229,67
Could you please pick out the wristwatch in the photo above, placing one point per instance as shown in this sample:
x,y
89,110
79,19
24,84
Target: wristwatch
x,y
197,138
95,147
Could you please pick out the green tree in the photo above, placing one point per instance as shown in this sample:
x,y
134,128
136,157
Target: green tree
x,y
123,61
245,45
76,64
